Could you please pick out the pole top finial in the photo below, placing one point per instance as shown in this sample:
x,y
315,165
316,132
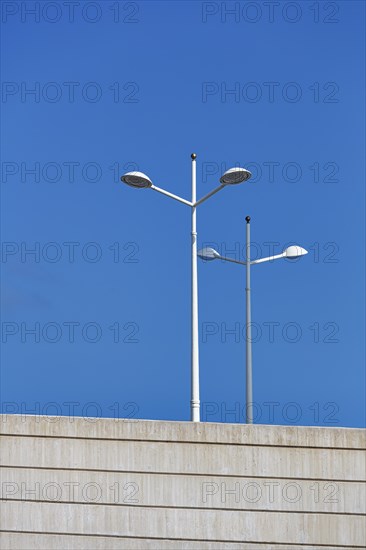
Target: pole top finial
x,y
193,156
247,219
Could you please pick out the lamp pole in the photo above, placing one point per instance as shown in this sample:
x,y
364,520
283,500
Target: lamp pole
x,y
291,253
195,383
249,371
232,176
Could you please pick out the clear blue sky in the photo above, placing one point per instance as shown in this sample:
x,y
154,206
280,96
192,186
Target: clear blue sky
x,y
118,85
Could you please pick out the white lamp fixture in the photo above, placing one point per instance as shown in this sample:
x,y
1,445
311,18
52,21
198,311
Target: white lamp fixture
x,y
235,175
137,179
293,252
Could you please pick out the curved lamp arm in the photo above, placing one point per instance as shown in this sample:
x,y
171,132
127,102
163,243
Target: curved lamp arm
x,y
269,258
200,201
184,201
171,195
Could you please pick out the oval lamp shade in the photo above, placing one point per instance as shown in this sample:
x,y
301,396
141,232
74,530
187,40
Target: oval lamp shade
x,y
295,251
137,179
208,254
235,175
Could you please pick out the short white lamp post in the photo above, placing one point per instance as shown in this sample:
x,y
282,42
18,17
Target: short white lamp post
x,y
230,177
208,254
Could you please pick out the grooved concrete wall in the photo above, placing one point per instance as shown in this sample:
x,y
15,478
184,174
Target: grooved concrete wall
x,y
75,483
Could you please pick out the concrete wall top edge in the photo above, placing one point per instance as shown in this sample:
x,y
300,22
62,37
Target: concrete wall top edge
x,y
203,432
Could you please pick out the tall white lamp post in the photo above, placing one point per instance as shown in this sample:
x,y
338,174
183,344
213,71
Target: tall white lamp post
x,y
292,252
230,177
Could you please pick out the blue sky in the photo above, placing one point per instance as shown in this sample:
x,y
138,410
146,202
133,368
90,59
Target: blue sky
x,y
142,85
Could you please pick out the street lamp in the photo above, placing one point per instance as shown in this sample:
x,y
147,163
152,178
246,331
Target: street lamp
x,y
230,177
209,254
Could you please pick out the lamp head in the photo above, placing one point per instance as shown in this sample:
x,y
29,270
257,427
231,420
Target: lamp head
x,y
137,179
295,251
235,175
208,254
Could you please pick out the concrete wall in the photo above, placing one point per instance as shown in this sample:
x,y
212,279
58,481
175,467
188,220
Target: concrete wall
x,y
71,483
